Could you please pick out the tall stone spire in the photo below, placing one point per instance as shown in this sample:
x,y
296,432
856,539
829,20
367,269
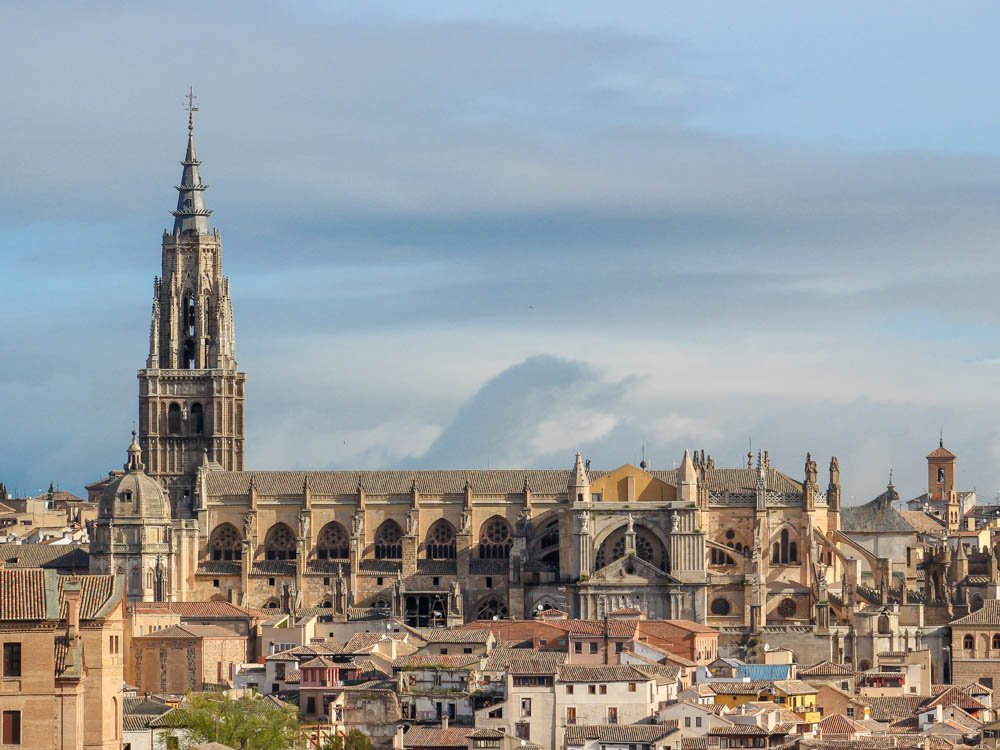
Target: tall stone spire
x,y
191,392
191,214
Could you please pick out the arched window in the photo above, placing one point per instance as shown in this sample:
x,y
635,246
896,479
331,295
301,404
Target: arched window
x,y
648,547
721,607
864,665
174,419
884,626
380,604
332,543
996,641
197,419
976,603
441,541
326,604
785,550
190,315
490,608
389,541
224,544
495,539
787,607
271,604
968,643
718,557
279,544
189,355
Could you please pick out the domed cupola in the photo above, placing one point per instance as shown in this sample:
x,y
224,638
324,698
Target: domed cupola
x,y
134,494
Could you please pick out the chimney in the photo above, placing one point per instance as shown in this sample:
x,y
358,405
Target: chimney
x,y
444,722
71,595
397,740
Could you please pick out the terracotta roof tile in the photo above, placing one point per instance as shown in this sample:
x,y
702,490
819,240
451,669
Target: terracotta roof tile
x,y
437,737
619,733
840,724
431,661
612,673
827,669
988,614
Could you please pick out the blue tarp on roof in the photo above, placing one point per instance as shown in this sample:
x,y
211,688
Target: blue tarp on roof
x,y
764,672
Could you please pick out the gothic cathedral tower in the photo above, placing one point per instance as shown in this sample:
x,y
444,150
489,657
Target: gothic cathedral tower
x,y
191,394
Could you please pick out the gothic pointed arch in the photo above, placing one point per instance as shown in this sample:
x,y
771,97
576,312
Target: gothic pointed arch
x,y
225,543
389,541
332,543
784,546
441,541
491,607
279,544
648,547
495,539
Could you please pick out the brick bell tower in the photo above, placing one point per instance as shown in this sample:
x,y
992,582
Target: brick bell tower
x,y
191,394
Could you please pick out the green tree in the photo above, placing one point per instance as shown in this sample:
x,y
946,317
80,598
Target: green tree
x,y
249,722
355,740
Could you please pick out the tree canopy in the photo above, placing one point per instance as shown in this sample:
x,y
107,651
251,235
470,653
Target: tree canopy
x,y
248,722
355,740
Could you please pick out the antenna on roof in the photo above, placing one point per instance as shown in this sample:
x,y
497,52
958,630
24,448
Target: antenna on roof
x,y
941,438
643,464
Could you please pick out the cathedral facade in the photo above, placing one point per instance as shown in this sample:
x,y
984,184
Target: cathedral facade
x,y
744,546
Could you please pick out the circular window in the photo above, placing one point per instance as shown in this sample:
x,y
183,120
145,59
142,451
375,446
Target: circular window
x,y
497,531
721,607
787,608
730,534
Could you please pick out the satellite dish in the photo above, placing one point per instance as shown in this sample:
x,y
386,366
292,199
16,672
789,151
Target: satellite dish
x,y
539,607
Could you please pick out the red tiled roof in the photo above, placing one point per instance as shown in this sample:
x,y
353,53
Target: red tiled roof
x,y
22,594
840,724
37,594
193,631
437,737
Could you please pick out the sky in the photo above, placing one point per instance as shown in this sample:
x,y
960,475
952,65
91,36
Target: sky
x,y
483,234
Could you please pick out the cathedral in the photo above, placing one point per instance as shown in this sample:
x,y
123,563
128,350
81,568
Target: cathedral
x,y
746,547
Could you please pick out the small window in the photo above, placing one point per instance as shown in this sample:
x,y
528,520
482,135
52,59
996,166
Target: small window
x,y
525,707
687,721
489,582
467,650
596,497
577,648
618,647
326,581
593,648
270,581
569,690
378,581
631,687
697,721
603,690
444,651
215,583
571,714
612,715
592,689
435,581
12,660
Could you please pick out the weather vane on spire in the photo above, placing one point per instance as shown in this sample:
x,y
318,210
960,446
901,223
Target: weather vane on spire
x,y
192,106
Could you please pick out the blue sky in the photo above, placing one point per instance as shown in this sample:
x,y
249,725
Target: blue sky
x,y
490,234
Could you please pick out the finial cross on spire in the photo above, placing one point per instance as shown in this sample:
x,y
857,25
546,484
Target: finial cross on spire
x,y
192,107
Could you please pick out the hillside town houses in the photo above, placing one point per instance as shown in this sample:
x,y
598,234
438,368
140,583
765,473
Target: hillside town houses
x,y
685,607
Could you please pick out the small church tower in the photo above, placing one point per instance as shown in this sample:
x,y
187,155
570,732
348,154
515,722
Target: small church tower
x,y
191,393
941,484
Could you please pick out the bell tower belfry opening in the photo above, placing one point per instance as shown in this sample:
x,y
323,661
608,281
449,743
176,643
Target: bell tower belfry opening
x,y
191,393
